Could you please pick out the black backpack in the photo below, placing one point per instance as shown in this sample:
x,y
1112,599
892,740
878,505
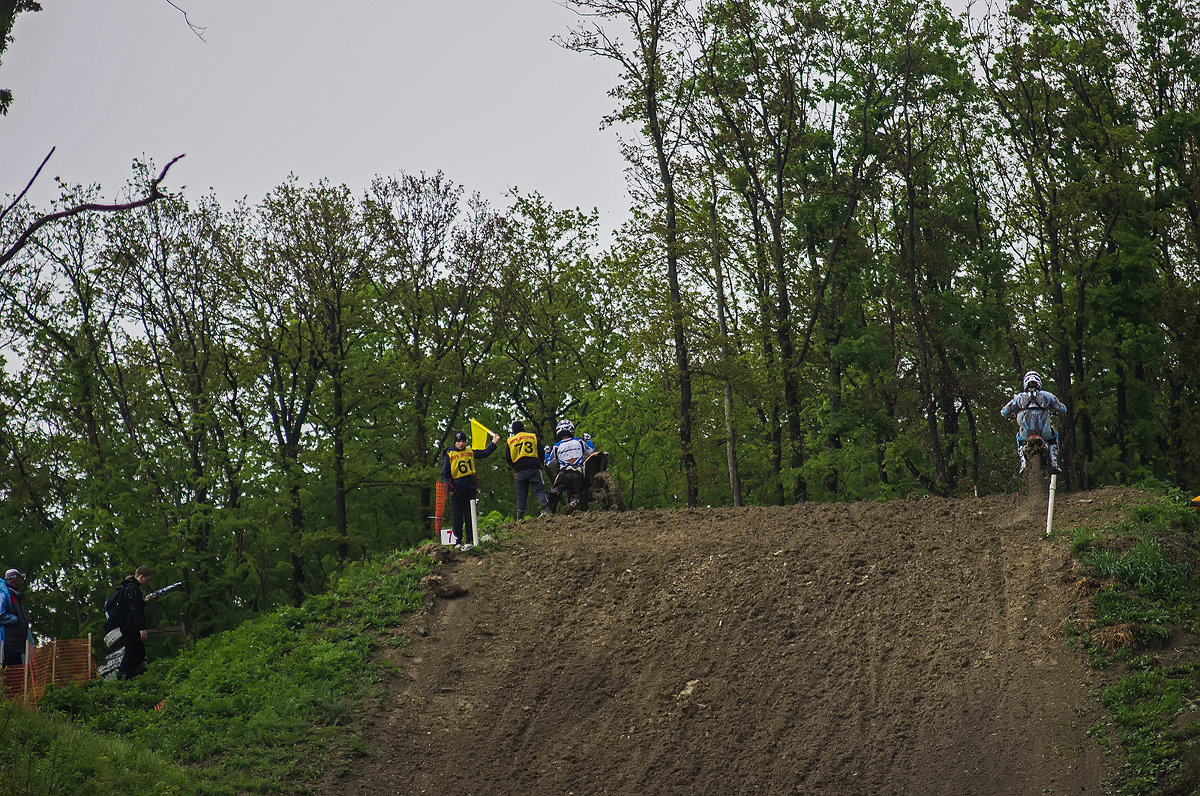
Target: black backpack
x,y
115,606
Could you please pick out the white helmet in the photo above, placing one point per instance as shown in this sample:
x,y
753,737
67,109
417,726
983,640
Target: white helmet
x,y
564,425
1032,381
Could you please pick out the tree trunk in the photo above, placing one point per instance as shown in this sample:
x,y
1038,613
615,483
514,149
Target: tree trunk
x,y
735,479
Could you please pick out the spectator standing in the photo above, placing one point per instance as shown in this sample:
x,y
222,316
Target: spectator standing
x,y
523,457
458,470
7,617
18,633
126,610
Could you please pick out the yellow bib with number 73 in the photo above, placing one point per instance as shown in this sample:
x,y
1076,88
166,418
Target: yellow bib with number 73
x,y
522,446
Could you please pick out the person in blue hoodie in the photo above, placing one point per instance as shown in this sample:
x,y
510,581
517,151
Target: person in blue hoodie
x,y
20,633
8,617
1032,407
458,470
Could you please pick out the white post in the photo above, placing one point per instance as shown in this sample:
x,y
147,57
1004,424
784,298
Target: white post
x,y
474,521
1050,505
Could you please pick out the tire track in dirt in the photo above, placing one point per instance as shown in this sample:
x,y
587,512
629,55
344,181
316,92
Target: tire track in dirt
x,y
904,647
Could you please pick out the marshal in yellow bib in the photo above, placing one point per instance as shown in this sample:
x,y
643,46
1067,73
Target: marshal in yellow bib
x,y
522,446
462,463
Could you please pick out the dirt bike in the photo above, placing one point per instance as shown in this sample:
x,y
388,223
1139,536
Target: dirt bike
x,y
1037,455
600,487
1035,478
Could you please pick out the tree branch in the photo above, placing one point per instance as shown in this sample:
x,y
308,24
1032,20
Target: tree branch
x,y
154,195
28,185
197,29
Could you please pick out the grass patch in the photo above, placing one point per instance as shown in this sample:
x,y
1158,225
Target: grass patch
x,y
256,709
43,755
1142,581
1151,710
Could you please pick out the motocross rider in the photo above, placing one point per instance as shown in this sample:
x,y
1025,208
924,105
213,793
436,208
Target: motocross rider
x,y
568,454
1033,406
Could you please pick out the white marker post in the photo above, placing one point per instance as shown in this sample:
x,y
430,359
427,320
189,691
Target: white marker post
x,y
1050,505
474,522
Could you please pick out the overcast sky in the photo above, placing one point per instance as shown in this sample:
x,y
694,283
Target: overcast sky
x,y
344,91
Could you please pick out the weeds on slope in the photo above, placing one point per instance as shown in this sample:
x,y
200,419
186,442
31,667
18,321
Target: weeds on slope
x,y
255,709
41,755
1142,580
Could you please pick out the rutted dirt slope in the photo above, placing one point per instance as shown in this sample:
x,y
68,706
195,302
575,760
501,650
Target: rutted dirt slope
x,y
910,647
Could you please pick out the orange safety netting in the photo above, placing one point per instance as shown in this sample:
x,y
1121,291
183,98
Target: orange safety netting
x,y
439,507
63,662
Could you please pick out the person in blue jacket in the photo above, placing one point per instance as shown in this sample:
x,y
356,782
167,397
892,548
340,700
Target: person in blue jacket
x,y
458,470
8,617
568,455
20,633
1032,407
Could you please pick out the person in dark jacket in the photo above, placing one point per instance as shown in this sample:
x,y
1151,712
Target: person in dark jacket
x,y
458,470
17,634
525,461
126,610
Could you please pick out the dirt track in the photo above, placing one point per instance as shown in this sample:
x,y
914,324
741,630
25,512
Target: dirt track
x,y
903,648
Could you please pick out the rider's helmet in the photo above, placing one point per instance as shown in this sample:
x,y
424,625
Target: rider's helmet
x,y
517,427
1031,381
565,428
460,436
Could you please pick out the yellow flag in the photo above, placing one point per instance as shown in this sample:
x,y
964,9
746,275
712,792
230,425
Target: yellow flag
x,y
479,435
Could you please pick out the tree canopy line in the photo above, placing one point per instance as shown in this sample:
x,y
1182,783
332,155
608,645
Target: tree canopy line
x,y
855,226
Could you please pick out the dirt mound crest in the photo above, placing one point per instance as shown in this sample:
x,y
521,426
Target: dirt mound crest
x,y
903,647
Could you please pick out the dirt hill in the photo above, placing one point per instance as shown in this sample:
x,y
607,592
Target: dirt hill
x,y
910,647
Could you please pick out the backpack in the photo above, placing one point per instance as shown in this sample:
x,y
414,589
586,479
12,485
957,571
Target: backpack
x,y
115,606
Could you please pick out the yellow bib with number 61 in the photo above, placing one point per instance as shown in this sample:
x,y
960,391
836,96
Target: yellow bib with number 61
x,y
462,463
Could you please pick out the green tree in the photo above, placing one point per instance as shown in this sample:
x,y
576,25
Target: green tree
x,y
1079,215
440,287
9,9
314,232
186,388
654,95
567,303
935,268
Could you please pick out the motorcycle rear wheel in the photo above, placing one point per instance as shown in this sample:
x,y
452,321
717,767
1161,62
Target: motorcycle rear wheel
x,y
606,493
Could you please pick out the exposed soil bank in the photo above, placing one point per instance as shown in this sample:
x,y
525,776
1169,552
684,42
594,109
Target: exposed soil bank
x,y
911,647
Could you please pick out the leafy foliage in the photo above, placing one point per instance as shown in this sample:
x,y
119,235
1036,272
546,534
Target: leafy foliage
x,y
1161,757
44,755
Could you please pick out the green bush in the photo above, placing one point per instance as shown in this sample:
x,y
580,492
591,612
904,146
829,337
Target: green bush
x,y
42,755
